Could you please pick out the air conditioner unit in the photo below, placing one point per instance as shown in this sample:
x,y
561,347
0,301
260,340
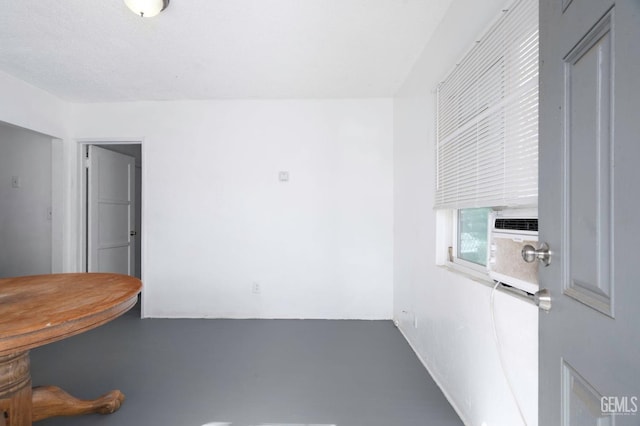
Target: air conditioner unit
x,y
511,230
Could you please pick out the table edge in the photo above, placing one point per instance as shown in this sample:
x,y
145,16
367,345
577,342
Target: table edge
x,y
25,342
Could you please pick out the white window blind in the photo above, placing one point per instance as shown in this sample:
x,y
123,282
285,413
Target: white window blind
x,y
487,124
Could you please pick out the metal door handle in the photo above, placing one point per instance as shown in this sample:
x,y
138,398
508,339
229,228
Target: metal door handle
x,y
543,254
133,233
542,299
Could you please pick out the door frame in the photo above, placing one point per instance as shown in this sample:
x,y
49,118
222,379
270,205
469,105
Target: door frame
x,y
81,226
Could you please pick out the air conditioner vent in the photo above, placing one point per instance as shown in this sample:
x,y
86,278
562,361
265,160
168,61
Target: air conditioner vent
x,y
517,224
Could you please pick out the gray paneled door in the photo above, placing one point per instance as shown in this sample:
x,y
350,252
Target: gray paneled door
x,y
110,211
590,212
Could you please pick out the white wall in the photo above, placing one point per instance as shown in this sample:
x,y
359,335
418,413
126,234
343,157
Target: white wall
x,y
25,227
34,109
217,219
454,336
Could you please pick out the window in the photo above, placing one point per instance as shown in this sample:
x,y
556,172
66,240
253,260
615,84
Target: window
x,y
472,235
487,130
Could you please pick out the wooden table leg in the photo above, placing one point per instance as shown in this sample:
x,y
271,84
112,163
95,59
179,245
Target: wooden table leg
x,y
51,401
15,390
20,405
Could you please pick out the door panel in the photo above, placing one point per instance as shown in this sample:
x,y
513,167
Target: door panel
x,y
113,259
589,212
110,212
588,85
112,216
581,401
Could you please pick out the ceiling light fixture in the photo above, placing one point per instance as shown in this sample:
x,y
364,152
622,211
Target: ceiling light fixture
x,y
147,8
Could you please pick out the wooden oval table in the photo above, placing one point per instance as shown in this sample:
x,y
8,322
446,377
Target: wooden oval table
x,y
40,309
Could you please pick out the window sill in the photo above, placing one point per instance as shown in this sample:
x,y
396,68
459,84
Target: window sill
x,y
473,275
484,279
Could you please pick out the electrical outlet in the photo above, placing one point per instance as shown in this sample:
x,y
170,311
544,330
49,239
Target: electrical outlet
x,y
255,288
15,181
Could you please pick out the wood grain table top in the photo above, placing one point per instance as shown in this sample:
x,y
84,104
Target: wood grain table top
x,y
40,309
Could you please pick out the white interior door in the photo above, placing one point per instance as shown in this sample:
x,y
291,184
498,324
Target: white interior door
x,y
590,212
110,211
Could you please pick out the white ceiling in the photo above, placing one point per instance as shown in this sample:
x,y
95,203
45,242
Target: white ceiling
x,y
97,50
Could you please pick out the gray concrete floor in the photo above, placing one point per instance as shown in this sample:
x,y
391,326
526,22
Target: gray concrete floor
x,y
245,373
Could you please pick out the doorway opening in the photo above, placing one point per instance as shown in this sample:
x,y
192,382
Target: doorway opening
x,y
111,204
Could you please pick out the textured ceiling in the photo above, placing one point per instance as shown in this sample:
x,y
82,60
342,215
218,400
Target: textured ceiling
x,y
97,50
